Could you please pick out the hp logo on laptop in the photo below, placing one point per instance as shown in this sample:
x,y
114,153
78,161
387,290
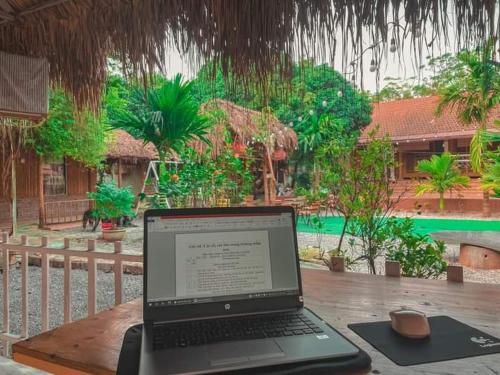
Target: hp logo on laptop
x,y
227,306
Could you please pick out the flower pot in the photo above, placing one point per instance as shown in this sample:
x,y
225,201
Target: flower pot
x,y
113,234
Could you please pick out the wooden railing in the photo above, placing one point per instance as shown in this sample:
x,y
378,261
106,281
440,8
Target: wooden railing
x,y
58,212
24,250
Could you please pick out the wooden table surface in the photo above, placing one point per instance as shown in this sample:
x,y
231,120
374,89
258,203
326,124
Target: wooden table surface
x,y
92,345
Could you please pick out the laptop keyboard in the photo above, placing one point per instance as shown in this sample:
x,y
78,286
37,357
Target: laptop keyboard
x,y
200,332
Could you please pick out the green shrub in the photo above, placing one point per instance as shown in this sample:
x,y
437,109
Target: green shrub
x,y
112,202
419,255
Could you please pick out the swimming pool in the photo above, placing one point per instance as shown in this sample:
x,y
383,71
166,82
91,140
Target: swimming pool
x,y
333,225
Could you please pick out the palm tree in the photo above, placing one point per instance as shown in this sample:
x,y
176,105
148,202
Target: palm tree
x,y
490,181
167,116
474,93
443,174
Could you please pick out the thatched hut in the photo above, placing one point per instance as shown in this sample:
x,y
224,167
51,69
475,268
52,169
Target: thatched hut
x,y
128,159
270,140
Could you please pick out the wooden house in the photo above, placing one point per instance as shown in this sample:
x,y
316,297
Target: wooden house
x,y
417,133
65,186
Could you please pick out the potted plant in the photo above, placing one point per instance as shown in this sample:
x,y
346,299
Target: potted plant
x,y
111,204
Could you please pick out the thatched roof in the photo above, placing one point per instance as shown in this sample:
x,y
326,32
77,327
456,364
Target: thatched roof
x,y
247,127
248,36
124,146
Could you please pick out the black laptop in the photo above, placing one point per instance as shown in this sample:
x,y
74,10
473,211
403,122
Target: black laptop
x,y
222,292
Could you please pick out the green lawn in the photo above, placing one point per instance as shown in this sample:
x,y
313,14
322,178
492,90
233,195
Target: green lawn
x,y
334,225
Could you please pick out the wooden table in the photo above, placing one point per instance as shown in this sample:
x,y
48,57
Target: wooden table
x,y
92,345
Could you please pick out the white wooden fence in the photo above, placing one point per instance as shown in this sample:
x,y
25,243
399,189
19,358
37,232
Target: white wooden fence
x,y
24,249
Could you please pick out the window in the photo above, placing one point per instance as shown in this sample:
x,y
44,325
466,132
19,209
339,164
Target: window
x,y
54,177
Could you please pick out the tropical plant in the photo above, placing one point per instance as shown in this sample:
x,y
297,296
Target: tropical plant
x,y
473,93
112,202
444,175
490,181
362,192
418,254
167,116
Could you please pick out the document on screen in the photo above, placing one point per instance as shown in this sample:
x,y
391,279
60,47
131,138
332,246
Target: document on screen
x,y
222,263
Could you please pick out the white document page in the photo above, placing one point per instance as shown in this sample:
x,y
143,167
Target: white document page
x,y
222,263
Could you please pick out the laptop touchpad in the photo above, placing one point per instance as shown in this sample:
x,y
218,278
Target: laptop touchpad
x,y
238,352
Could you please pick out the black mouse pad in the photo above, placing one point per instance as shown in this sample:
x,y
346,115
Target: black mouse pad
x,y
128,362
449,339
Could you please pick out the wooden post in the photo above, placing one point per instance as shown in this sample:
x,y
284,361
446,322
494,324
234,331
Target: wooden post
x,y
91,300
13,194
264,179
455,274
401,166
337,264
24,294
45,292
392,269
67,289
486,204
119,172
6,290
118,274
41,195
67,284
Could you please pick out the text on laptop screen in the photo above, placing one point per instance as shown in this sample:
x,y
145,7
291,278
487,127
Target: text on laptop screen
x,y
212,258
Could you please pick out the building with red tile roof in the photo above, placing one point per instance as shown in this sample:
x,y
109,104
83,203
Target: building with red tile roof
x,y
417,133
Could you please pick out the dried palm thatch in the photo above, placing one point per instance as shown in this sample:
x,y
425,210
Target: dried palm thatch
x,y
123,146
246,127
251,36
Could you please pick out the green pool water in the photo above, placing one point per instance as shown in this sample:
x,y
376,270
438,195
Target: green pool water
x,y
333,225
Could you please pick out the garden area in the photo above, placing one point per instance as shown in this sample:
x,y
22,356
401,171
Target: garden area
x,y
215,141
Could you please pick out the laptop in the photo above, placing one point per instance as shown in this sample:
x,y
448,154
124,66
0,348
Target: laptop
x,y
222,292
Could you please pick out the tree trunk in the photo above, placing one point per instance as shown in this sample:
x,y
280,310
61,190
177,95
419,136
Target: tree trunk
x,y
41,195
371,263
341,239
265,182
486,204
13,195
316,176
441,202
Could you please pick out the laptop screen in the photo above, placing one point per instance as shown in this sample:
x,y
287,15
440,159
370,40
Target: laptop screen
x,y
220,257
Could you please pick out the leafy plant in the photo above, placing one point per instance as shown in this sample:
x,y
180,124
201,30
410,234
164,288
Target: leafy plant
x,y
444,175
319,226
474,94
81,136
490,181
361,191
112,202
167,116
418,254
